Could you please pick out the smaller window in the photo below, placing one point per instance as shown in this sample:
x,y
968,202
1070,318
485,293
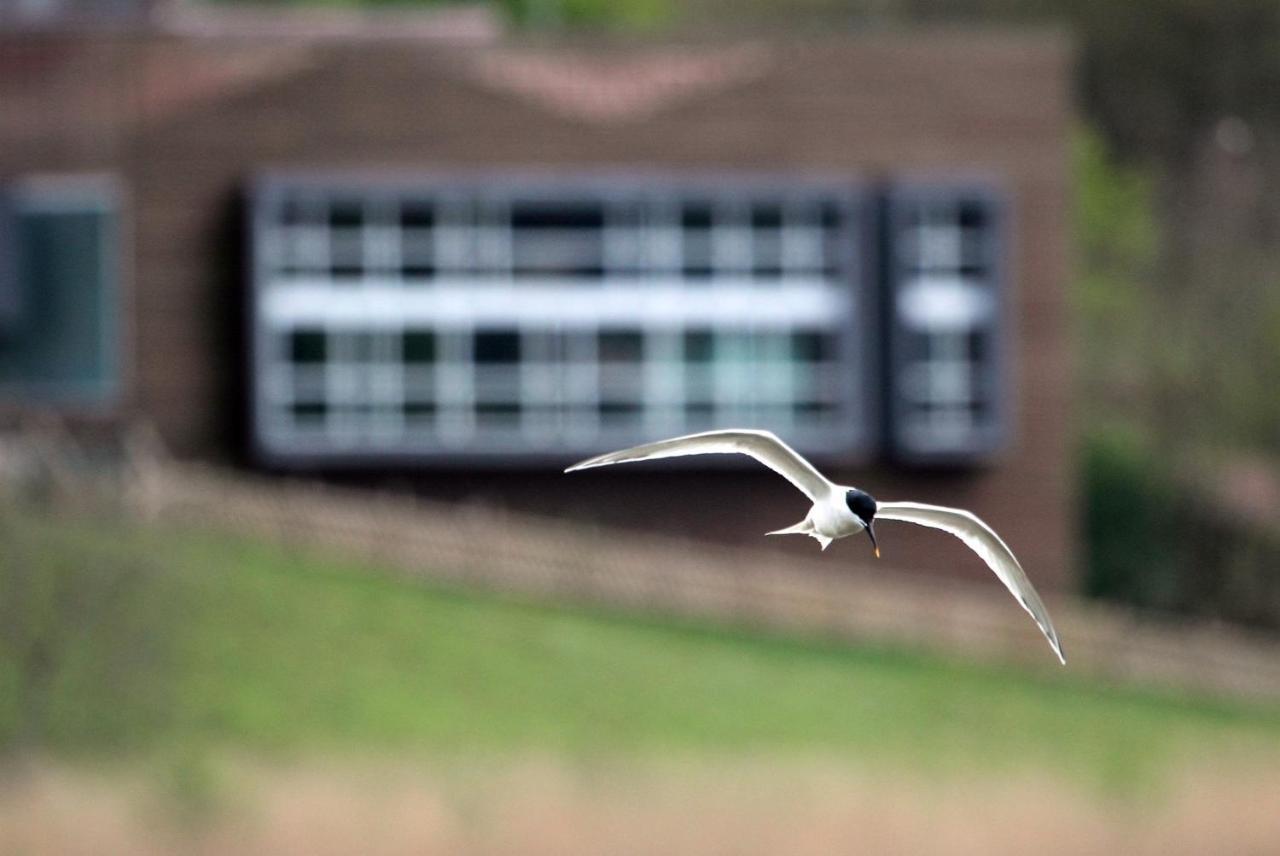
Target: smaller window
x,y
62,345
945,293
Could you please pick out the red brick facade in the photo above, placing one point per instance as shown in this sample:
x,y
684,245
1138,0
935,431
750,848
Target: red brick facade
x,y
185,122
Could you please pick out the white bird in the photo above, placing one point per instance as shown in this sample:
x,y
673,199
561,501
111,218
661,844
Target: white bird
x,y
840,510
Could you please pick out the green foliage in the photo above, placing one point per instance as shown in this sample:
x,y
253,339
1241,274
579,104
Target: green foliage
x,y
1158,541
341,3
1116,230
1116,234
86,627
611,15
1130,522
1183,360
597,14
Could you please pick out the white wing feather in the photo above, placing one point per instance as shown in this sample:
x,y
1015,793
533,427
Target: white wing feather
x,y
761,445
986,543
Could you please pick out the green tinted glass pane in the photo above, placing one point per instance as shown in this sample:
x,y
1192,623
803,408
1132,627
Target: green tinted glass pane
x,y
698,346
307,346
309,413
64,347
813,346
621,346
497,347
419,346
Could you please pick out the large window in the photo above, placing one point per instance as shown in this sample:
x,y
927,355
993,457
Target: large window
x,y
945,302
515,316
58,291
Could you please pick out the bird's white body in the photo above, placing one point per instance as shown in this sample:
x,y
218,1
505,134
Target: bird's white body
x,y
832,514
828,520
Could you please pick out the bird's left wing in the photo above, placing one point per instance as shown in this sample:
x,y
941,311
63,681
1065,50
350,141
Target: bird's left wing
x,y
986,543
764,446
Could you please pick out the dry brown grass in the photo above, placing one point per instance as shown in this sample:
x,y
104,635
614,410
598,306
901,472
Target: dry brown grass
x,y
549,807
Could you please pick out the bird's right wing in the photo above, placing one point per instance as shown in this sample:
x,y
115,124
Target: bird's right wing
x,y
764,446
983,540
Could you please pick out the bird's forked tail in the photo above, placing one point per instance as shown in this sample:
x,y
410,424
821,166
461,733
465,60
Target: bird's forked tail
x,y
804,527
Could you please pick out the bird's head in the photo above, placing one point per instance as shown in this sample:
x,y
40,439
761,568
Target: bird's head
x,y
863,506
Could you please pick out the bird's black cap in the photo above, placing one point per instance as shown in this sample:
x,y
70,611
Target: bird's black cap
x,y
862,504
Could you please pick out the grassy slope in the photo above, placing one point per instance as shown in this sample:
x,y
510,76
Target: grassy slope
x,y
272,651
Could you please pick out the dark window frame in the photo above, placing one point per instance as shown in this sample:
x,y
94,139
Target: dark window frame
x,y
857,339
993,404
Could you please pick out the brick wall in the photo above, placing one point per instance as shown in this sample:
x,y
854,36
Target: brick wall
x,y
878,105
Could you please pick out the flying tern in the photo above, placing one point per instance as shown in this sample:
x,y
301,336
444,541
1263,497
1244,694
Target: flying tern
x,y
840,510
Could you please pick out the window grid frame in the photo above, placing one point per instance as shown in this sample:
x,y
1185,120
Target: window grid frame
x,y
577,414
954,433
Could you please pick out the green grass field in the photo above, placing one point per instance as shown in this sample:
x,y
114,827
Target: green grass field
x,y
164,640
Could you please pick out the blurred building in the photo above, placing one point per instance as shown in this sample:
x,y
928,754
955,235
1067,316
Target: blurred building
x,y
407,247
